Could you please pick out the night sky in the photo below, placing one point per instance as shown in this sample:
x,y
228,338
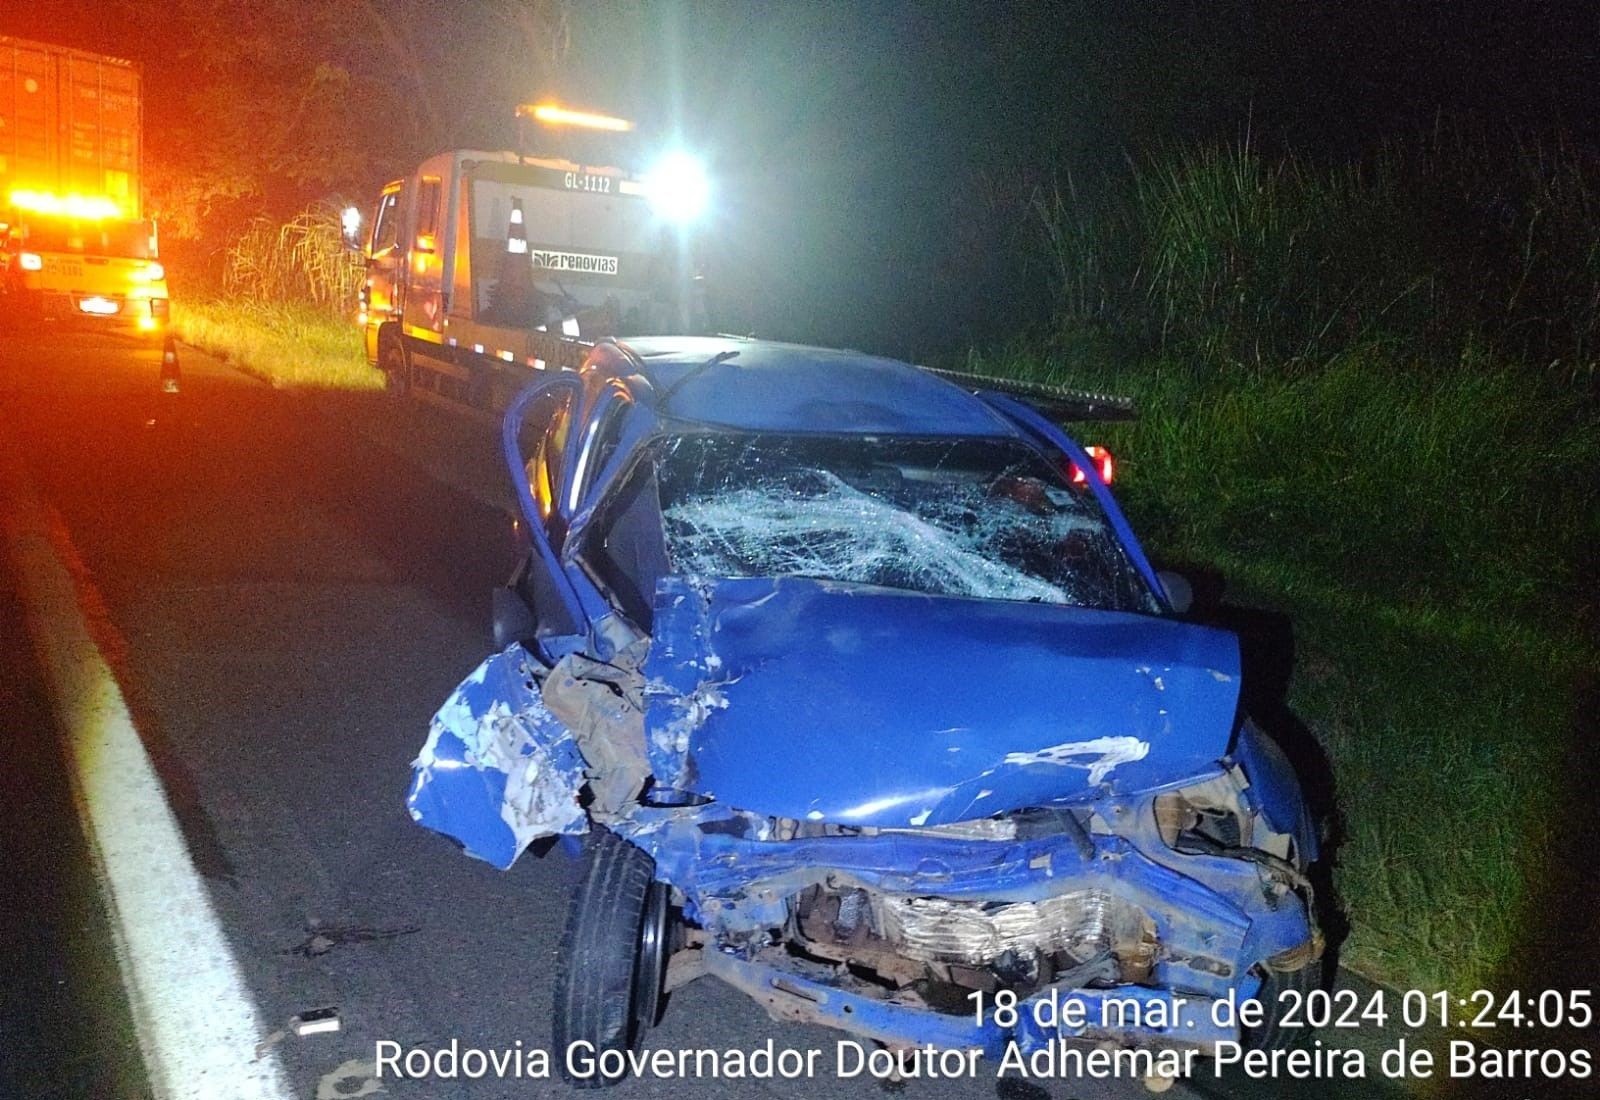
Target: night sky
x,y
854,144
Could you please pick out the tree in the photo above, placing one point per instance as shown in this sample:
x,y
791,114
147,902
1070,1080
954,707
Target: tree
x,y
279,102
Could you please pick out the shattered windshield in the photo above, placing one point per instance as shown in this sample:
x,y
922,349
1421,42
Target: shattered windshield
x,y
984,518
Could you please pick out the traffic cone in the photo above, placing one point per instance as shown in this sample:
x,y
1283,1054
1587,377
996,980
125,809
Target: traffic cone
x,y
514,299
169,366
516,232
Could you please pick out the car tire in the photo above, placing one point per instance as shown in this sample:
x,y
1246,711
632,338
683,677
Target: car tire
x,y
1271,1034
608,987
396,366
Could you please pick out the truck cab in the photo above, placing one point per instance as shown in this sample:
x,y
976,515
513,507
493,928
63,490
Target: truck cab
x,y
81,265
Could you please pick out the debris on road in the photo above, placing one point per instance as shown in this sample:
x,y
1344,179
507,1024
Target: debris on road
x,y
319,941
315,1022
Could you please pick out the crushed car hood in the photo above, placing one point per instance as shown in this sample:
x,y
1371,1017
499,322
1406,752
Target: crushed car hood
x,y
862,706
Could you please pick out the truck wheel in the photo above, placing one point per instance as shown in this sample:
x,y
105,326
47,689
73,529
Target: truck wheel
x,y
613,961
396,367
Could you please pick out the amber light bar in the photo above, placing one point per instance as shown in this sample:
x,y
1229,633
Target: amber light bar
x,y
553,114
90,207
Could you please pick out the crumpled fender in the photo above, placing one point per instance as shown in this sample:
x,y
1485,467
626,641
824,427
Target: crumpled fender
x,y
498,770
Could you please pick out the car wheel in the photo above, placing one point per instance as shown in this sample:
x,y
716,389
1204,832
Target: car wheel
x,y
396,367
1272,1035
608,987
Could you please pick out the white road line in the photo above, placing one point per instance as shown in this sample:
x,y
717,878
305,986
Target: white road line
x,y
196,1021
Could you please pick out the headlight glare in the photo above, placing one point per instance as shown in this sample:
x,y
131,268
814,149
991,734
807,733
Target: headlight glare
x,y
678,188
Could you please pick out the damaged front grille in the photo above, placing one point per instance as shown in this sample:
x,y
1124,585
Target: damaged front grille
x,y
1079,923
933,941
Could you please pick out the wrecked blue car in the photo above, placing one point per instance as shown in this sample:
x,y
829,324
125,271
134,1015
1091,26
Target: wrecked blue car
x,y
868,702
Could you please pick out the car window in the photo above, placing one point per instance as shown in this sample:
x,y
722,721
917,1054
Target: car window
x,y
625,550
385,224
428,198
601,445
987,518
550,422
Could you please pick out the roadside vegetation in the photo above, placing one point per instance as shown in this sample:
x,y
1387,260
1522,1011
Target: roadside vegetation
x,y
284,310
1369,399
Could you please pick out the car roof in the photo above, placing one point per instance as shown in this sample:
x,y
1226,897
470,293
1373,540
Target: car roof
x,y
763,385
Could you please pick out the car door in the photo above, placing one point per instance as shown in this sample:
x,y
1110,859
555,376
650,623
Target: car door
x,y
539,449
384,292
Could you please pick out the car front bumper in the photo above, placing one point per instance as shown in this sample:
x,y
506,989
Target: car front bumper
x,y
1217,930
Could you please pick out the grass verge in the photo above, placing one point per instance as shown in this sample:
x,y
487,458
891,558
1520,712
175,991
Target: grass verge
x,y
1425,533
290,345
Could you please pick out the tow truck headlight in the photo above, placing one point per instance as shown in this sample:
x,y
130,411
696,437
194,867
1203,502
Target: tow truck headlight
x,y
350,228
678,188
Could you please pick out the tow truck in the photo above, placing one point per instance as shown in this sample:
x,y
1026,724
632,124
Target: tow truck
x,y
484,265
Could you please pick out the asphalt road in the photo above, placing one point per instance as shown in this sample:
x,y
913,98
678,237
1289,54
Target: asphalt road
x,y
291,585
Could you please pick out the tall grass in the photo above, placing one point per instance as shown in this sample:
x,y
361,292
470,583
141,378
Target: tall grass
x,y
1223,255
1368,397
302,260
286,309
292,345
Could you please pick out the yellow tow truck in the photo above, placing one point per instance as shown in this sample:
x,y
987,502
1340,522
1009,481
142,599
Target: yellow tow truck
x,y
481,266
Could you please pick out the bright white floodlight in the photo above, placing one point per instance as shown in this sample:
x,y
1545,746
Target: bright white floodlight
x,y
350,222
678,188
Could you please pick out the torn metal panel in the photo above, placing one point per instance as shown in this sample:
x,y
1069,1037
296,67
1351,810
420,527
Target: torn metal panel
x,y
1274,791
603,705
941,709
498,770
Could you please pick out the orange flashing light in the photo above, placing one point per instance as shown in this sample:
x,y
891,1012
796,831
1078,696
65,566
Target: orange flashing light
x,y
1104,465
87,207
553,114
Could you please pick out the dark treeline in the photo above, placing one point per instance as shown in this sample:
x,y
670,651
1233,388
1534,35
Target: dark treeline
x,y
874,159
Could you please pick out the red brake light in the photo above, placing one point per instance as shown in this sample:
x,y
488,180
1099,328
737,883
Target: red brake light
x,y
1104,465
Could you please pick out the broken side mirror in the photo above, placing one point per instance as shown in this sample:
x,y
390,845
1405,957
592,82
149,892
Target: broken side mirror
x,y
1177,589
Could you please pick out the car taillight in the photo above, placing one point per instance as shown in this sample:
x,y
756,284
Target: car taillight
x,y
1104,465
30,261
